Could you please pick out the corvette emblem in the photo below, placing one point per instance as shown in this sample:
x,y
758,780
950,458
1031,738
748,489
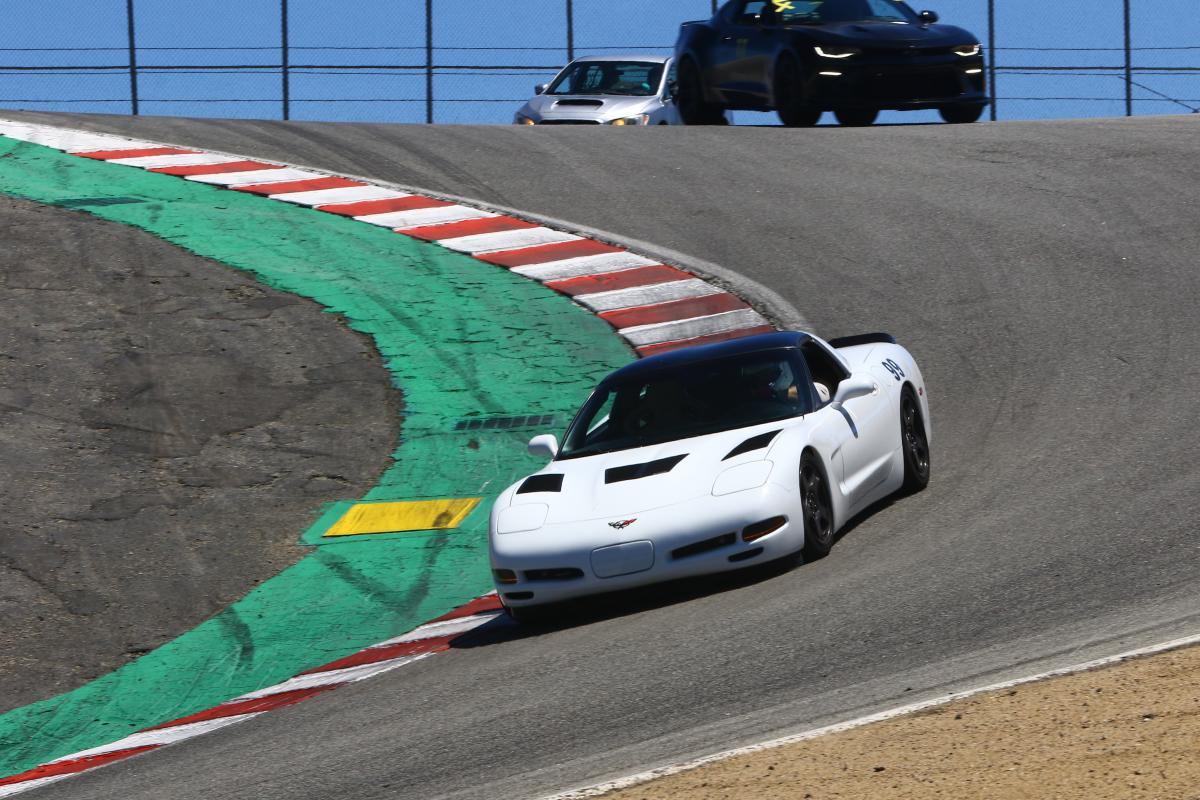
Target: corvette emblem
x,y
622,525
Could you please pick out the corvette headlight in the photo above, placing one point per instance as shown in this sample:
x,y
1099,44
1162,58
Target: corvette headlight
x,y
742,478
968,50
829,51
520,119
640,119
518,519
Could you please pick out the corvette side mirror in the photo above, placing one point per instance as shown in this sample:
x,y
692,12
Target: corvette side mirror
x,y
852,387
541,88
544,445
929,17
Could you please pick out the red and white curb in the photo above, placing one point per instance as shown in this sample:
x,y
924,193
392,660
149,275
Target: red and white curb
x,y
433,637
654,306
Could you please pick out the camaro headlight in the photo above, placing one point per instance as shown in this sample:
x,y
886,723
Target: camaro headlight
x,y
520,119
968,50
640,119
829,51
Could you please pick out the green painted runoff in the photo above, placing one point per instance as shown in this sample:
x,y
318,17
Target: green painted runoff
x,y
463,340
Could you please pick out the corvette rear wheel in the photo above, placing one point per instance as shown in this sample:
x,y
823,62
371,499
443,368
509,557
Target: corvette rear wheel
x,y
693,108
914,441
818,510
789,96
856,117
961,114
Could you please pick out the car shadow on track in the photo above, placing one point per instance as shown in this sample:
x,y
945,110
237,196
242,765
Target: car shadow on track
x,y
601,608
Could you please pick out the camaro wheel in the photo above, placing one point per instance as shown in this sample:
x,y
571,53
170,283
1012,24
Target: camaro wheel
x,y
914,442
789,96
818,510
693,108
961,114
857,117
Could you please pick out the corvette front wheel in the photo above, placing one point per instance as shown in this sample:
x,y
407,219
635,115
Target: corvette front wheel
x,y
818,510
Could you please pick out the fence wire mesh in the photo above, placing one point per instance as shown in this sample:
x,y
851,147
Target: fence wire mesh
x,y
475,61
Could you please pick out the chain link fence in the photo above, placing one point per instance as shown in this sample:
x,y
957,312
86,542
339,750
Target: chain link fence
x,y
475,61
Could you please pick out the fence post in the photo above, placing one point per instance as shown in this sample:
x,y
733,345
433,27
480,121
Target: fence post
x,y
429,61
570,31
133,87
283,47
991,12
1128,62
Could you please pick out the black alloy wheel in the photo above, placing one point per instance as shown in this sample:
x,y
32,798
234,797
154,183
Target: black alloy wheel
x,y
914,441
856,117
789,95
961,114
693,108
818,509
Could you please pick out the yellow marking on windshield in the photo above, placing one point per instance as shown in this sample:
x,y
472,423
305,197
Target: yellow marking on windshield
x,y
783,5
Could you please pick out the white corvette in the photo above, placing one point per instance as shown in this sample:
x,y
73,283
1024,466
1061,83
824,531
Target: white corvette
x,y
712,458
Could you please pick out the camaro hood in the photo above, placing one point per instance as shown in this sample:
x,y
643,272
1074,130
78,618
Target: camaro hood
x,y
884,34
629,482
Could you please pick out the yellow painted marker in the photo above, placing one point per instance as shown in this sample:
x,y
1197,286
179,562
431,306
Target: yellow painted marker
x,y
412,515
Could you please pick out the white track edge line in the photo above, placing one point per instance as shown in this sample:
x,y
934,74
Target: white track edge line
x,y
599,789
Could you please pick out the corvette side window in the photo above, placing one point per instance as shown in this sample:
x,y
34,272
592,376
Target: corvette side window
x,y
826,372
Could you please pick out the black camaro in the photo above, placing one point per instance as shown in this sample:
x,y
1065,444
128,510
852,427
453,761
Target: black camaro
x,y
804,57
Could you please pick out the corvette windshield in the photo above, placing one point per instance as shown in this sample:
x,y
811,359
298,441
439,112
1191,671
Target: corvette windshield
x,y
631,78
690,400
815,12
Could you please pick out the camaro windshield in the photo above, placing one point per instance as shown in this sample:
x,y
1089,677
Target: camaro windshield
x,y
824,11
690,400
631,78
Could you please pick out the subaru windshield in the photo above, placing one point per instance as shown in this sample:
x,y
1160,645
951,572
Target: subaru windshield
x,y
628,78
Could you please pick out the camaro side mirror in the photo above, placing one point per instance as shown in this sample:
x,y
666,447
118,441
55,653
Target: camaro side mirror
x,y
852,387
544,445
929,17
541,88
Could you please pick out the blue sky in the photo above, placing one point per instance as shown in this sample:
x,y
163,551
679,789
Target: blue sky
x,y
528,37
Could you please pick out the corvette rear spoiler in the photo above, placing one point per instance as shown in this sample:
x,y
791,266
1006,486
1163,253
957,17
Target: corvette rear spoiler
x,y
862,338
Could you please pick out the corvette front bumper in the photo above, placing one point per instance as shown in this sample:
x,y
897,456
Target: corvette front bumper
x,y
701,537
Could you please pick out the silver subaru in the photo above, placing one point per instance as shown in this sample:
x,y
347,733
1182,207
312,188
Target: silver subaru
x,y
606,90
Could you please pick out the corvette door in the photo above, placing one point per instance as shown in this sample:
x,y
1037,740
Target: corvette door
x,y
872,436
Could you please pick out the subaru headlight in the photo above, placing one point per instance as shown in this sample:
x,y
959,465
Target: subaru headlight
x,y
640,119
830,51
968,50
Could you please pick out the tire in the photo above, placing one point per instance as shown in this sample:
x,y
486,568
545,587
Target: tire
x,y
693,108
914,442
857,117
961,114
818,509
527,615
789,96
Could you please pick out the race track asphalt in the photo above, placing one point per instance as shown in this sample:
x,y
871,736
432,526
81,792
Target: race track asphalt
x,y
1045,276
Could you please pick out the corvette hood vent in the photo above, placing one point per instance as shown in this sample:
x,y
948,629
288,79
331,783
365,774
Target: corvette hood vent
x,y
579,102
752,444
541,483
633,472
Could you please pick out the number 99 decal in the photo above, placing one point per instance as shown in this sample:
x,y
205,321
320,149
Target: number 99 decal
x,y
894,368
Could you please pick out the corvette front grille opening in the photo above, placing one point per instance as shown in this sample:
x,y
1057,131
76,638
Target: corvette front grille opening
x,y
696,548
555,574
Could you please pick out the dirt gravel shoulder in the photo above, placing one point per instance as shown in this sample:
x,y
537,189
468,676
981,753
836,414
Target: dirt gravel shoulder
x,y
167,427
1126,731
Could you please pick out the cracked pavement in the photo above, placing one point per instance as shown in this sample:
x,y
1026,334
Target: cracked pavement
x,y
167,425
